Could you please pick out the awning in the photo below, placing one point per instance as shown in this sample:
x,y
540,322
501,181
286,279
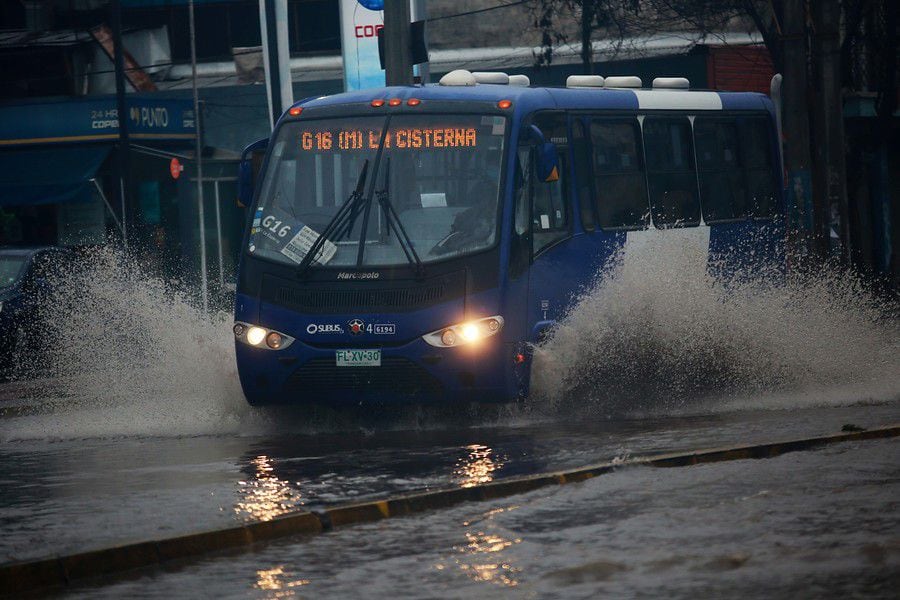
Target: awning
x,y
49,175
91,119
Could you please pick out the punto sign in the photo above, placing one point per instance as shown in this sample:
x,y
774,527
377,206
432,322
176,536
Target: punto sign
x,y
96,119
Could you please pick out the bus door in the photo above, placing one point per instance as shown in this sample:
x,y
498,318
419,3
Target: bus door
x,y
554,273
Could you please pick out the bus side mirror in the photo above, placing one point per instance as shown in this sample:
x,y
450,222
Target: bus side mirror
x,y
547,159
548,163
248,170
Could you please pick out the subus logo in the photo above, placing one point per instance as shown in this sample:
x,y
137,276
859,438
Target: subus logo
x,y
368,31
314,328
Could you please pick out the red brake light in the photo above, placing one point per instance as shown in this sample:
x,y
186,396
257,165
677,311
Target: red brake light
x,y
394,102
413,102
378,103
295,112
504,104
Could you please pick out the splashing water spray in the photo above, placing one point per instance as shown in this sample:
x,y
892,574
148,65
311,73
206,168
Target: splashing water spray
x,y
129,355
658,333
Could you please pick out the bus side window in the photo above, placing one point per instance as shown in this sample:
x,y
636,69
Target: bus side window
x,y
723,188
549,212
619,184
581,151
756,157
672,180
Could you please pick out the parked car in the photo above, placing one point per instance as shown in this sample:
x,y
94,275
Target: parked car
x,y
27,275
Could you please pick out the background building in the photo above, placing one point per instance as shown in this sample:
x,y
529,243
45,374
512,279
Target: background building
x,y
57,132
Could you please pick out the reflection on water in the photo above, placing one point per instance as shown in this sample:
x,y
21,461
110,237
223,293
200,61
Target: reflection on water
x,y
265,496
278,582
482,556
477,467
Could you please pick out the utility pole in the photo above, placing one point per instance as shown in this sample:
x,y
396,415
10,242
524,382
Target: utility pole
x,y
122,117
201,215
796,119
273,21
397,59
419,12
587,46
830,128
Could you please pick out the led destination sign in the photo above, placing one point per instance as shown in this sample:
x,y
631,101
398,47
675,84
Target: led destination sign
x,y
411,138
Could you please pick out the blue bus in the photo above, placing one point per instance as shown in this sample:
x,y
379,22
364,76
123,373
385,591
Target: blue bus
x,y
411,244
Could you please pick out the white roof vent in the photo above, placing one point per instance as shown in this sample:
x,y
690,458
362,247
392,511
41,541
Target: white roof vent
x,y
628,81
584,81
459,77
521,80
671,83
491,77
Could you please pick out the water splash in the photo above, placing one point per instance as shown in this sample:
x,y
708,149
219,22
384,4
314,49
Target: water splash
x,y
657,333
131,355
128,354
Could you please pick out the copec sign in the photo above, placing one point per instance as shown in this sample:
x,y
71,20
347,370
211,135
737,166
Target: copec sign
x,y
95,119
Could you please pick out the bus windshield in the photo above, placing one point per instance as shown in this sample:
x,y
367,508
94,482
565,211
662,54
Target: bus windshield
x,y
435,187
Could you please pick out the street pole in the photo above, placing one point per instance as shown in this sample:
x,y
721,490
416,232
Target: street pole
x,y
121,117
796,119
587,46
826,18
273,21
419,12
201,216
397,59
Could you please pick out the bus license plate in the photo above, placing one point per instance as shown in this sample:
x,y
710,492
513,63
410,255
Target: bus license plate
x,y
357,358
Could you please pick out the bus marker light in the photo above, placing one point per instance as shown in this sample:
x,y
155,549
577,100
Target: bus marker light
x,y
448,338
504,104
295,112
273,340
395,102
413,102
238,329
255,335
520,358
377,103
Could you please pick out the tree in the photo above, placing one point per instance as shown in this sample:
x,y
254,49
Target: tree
x,y
804,39
616,21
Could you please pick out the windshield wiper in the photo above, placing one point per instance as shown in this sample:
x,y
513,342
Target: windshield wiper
x,y
384,199
347,208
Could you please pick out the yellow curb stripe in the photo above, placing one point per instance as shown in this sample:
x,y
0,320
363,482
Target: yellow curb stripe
x,y
17,578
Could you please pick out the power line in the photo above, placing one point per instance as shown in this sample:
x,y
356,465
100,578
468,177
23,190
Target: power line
x,y
475,12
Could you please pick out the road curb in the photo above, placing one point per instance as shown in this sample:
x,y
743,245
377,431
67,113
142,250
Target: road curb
x,y
26,576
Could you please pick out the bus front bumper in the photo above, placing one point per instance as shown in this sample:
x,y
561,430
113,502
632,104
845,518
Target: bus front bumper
x,y
415,372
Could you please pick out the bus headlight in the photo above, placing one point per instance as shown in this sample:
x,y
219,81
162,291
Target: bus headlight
x,y
469,332
255,335
260,337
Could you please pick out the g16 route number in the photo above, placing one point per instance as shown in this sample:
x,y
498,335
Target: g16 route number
x,y
275,226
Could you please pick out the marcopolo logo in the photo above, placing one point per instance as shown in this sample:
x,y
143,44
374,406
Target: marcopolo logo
x,y
323,328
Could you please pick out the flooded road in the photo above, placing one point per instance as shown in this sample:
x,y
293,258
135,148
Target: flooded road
x,y
137,430
805,525
64,496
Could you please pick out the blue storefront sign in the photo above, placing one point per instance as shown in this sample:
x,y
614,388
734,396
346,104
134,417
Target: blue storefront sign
x,y
96,119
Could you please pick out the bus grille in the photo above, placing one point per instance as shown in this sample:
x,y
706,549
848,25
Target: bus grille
x,y
395,375
347,300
